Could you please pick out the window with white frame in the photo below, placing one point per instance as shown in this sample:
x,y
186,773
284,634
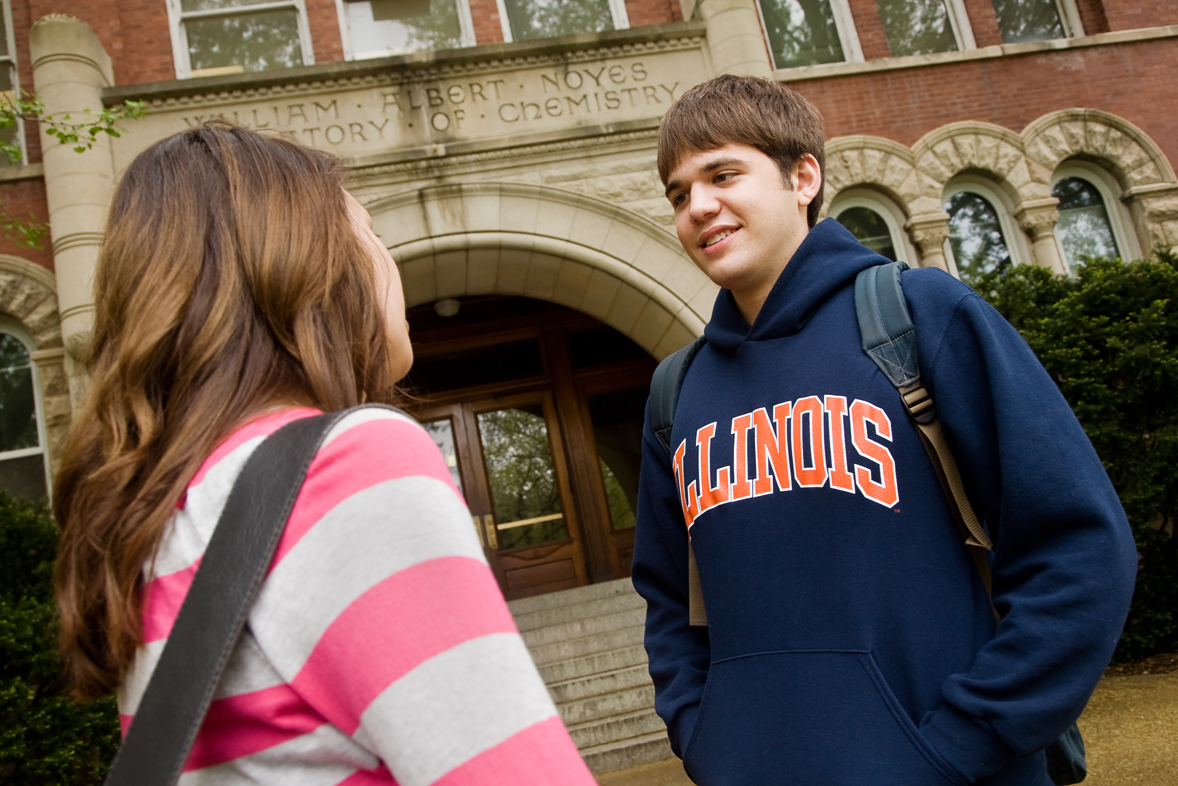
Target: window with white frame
x,y
216,37
874,220
983,235
809,32
378,28
1093,222
524,20
921,27
1036,20
22,457
12,136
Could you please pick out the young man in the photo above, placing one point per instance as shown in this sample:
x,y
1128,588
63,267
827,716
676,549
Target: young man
x,y
850,640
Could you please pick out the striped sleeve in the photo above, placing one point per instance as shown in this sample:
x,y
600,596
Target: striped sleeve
x,y
383,618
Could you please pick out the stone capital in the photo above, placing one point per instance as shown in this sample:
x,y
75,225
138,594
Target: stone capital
x,y
1038,217
928,231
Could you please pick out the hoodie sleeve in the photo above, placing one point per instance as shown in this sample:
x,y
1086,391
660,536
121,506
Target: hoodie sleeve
x,y
1064,560
679,654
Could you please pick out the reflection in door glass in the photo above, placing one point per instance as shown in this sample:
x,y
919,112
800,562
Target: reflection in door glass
x,y
617,429
520,472
443,434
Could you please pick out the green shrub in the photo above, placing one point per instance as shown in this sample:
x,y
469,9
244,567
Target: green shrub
x,y
1109,338
45,738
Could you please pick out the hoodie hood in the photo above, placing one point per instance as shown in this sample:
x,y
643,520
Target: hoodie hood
x,y
826,261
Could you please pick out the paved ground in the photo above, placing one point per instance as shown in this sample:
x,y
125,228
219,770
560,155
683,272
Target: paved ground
x,y
1130,728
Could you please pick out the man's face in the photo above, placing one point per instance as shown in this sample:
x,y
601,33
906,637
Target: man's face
x,y
738,218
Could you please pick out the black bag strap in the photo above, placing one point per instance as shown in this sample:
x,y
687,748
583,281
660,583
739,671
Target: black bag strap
x,y
215,609
889,339
664,398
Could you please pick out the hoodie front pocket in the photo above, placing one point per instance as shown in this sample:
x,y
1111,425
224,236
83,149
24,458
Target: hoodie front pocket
x,y
809,718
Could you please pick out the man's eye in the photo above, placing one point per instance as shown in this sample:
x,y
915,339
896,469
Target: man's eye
x,y
722,177
679,198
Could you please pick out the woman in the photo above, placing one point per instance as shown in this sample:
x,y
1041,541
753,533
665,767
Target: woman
x,y
239,288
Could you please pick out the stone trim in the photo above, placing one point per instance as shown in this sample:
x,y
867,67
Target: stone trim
x,y
1021,165
28,294
827,71
541,242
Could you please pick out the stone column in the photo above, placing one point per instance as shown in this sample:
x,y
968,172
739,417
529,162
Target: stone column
x,y
735,40
55,400
1038,218
70,68
929,231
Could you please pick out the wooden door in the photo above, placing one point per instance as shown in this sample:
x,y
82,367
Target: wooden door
x,y
509,454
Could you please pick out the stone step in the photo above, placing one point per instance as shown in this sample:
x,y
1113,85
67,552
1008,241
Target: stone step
x,y
603,706
617,729
599,684
567,597
628,753
569,649
598,607
597,663
575,629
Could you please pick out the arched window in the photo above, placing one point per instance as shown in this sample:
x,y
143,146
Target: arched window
x,y
869,228
875,221
1083,229
22,457
983,235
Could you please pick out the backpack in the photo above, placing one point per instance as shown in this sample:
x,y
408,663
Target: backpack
x,y
889,338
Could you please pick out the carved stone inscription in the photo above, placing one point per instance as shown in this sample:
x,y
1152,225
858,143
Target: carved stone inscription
x,y
367,120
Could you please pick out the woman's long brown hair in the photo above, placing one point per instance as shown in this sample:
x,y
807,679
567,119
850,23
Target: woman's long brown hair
x,y
230,280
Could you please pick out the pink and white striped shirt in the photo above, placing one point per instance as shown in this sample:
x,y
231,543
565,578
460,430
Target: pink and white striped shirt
x,y
380,649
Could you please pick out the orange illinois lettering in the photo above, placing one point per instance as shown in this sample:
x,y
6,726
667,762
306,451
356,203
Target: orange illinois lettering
x,y
677,465
710,496
885,492
742,488
809,408
771,449
840,477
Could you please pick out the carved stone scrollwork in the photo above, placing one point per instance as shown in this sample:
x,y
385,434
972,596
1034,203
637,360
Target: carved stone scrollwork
x,y
1038,217
929,231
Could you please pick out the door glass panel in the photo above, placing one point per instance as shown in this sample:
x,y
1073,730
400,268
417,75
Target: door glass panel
x,y
617,429
525,492
442,432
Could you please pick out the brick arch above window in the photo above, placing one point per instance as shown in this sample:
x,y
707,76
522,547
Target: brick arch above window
x,y
996,152
887,166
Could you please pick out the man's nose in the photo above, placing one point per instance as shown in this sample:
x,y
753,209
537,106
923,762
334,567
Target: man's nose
x,y
703,203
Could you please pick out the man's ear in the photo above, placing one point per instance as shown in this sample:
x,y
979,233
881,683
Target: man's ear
x,y
807,179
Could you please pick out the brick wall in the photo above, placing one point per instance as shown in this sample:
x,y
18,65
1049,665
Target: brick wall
x,y
653,12
323,20
1131,80
488,28
983,22
20,198
872,38
1092,16
1134,14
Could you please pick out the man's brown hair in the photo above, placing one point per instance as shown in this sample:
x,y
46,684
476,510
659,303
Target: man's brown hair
x,y
744,110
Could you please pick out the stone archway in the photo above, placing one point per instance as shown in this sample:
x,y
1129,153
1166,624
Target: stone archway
x,y
500,238
28,294
1147,179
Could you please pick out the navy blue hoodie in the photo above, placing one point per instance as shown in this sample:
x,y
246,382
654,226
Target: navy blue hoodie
x,y
850,639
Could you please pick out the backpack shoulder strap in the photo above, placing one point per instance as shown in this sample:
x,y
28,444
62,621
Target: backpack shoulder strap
x,y
664,398
889,338
664,390
215,609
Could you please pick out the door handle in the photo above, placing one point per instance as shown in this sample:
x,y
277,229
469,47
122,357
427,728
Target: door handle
x,y
492,533
478,531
